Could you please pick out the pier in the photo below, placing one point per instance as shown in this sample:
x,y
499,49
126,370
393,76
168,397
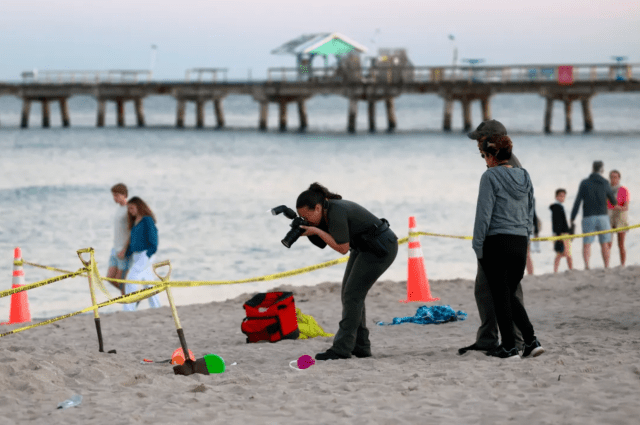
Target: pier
x,y
466,84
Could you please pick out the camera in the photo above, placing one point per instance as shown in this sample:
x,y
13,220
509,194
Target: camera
x,y
292,236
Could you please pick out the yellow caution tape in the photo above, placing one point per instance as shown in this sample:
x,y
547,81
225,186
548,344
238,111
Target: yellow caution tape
x,y
549,238
132,297
22,262
41,283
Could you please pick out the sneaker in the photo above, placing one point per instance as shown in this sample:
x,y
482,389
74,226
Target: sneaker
x,y
472,347
532,350
330,355
503,353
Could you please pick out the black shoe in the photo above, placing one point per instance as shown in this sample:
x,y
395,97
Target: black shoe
x,y
503,353
330,355
534,349
472,347
361,353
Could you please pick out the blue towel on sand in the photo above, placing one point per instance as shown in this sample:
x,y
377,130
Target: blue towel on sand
x,y
429,315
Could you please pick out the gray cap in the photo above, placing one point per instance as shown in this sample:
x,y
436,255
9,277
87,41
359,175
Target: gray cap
x,y
488,128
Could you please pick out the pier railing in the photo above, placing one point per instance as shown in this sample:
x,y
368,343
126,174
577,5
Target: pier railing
x,y
206,75
484,74
86,77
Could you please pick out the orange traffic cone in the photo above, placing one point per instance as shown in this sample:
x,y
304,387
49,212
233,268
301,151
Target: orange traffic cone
x,y
417,282
19,309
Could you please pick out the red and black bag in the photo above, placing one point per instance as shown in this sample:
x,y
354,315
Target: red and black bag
x,y
270,317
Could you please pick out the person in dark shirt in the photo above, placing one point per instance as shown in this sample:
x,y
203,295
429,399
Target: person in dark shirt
x,y
348,227
143,244
593,194
560,227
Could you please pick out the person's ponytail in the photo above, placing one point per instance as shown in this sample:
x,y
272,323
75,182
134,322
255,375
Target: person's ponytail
x,y
316,194
317,187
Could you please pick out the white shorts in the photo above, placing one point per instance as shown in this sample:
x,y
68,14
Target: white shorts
x,y
140,269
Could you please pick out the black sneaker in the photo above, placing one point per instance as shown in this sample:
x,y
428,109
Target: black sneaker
x,y
330,355
503,353
361,353
534,349
472,347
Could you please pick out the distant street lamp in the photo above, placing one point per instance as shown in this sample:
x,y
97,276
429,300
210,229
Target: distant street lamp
x,y
455,49
152,59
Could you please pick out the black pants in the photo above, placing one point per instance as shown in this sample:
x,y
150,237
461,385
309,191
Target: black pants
x,y
487,336
363,269
504,261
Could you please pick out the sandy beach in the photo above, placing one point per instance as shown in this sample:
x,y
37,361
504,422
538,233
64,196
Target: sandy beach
x,y
587,321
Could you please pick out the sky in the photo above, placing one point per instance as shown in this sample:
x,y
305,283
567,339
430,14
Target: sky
x,y
240,34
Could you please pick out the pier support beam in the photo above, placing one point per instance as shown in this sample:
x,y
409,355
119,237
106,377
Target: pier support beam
x,y
372,116
264,112
466,114
217,105
586,114
283,115
548,113
567,115
26,110
302,113
353,114
139,111
391,114
199,113
486,108
448,111
180,111
46,115
120,112
64,112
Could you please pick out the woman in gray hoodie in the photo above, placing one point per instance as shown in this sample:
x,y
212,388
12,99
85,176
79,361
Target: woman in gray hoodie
x,y
504,221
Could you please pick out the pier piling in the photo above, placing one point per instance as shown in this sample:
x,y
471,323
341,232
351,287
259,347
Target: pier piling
x,y
283,115
180,111
264,112
486,108
101,113
199,113
567,115
391,114
466,114
372,116
353,114
120,112
46,114
26,110
217,105
302,113
586,113
139,111
64,112
448,111
548,114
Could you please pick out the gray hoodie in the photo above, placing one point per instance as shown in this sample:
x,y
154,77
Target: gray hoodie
x,y
505,205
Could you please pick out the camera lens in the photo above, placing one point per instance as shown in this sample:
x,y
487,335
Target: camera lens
x,y
291,237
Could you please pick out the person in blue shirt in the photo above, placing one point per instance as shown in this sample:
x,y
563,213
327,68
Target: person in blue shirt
x,y
143,244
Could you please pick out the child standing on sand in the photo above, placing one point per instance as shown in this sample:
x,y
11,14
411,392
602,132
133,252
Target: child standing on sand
x,y
560,227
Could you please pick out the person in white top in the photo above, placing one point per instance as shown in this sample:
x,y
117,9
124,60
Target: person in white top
x,y
118,266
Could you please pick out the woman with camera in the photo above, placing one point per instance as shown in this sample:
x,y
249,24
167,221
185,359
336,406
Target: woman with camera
x,y
346,226
504,221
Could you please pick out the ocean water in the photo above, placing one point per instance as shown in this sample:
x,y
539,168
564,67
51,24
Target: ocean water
x,y
211,190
